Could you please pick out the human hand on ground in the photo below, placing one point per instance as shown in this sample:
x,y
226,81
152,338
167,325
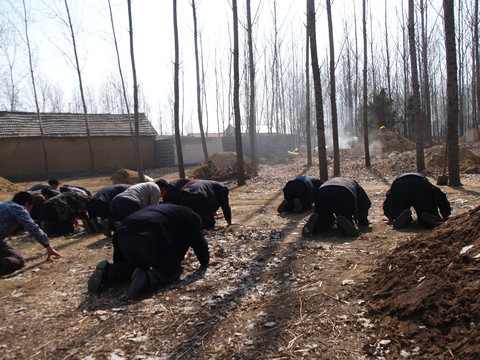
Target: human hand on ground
x,y
51,251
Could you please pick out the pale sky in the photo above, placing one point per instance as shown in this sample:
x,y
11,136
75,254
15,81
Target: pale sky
x,y
153,42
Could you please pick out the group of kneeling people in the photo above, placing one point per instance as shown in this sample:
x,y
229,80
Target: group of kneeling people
x,y
150,238
344,201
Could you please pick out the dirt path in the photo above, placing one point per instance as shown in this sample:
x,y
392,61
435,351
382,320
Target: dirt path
x,y
275,296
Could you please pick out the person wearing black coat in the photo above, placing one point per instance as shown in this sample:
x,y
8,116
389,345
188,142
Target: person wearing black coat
x,y
149,246
98,207
340,199
414,189
172,190
205,197
299,194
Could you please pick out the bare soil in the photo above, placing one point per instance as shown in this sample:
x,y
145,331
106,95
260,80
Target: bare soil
x,y
386,294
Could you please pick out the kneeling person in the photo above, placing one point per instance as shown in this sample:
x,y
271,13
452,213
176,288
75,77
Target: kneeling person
x,y
340,199
149,246
299,194
414,189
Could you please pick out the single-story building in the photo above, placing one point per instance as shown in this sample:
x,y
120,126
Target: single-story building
x,y
67,145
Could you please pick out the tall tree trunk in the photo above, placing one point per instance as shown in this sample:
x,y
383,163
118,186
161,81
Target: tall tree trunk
x,y
333,101
415,89
477,66
426,81
199,92
32,75
176,105
452,94
253,119
307,98
365,93
138,156
322,152
389,83
236,99
84,104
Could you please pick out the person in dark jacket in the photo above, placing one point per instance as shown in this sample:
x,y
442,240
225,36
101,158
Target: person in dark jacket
x,y
340,199
14,216
61,212
98,207
148,249
51,184
75,188
414,189
205,197
172,190
299,194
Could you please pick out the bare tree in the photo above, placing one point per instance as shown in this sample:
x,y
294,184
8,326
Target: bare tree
x,y
199,91
415,88
39,116
426,81
252,117
452,94
322,152
176,107
333,101
84,104
365,93
236,99
389,82
138,156
307,96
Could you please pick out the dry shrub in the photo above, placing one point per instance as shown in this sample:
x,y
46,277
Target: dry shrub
x,y
221,166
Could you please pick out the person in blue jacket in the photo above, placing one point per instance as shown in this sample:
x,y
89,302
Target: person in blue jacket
x,y
299,194
414,190
14,216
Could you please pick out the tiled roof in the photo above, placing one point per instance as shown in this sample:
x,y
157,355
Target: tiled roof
x,y
23,124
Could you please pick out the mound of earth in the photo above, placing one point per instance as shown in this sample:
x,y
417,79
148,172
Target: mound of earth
x,y
221,166
425,294
384,142
7,186
435,159
126,176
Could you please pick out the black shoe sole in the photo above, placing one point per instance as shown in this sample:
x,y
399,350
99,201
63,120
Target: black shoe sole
x,y
347,226
282,206
307,230
403,219
96,279
138,285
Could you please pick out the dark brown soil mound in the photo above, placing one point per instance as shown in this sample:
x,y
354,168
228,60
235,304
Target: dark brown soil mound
x,y
435,159
425,295
221,166
384,142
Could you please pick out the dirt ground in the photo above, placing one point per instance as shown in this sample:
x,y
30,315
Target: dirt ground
x,y
386,294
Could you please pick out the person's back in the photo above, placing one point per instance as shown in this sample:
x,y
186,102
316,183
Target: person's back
x,y
61,211
205,197
299,194
172,192
415,190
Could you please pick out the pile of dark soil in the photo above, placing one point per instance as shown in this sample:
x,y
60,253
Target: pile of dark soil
x,y
221,166
425,295
384,142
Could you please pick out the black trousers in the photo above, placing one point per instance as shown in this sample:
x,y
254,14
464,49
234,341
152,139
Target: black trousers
x,y
296,190
121,207
131,251
10,260
332,201
198,204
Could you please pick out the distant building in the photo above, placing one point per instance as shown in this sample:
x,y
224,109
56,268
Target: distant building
x,y
67,144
